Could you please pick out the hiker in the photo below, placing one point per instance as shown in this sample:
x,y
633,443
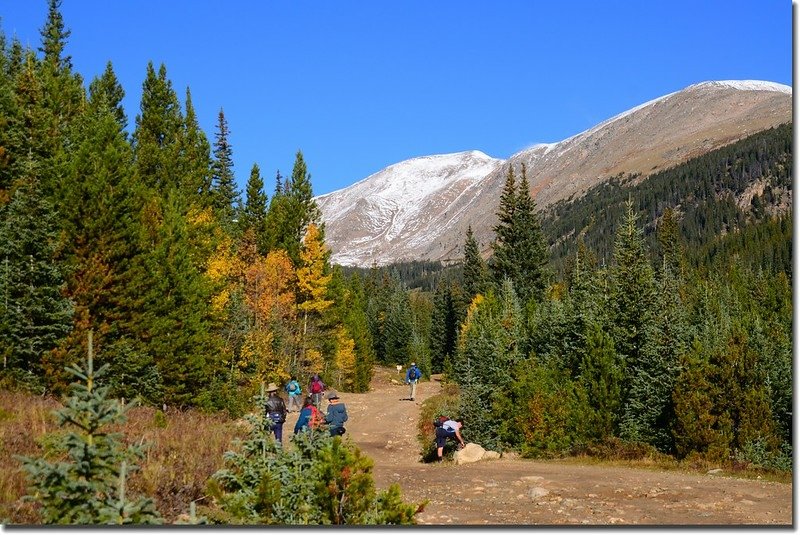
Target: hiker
x,y
275,412
316,387
310,417
412,376
448,429
337,414
293,390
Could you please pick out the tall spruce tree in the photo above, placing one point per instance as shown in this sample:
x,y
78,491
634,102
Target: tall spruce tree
x,y
474,267
226,196
633,305
519,250
196,157
255,209
156,138
35,314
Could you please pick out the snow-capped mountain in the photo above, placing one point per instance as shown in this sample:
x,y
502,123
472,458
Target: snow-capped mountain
x,y
420,208
405,207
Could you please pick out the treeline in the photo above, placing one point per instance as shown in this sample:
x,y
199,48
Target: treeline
x,y
720,192
684,350
195,293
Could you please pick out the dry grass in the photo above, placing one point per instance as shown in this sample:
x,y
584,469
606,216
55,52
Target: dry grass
x,y
185,448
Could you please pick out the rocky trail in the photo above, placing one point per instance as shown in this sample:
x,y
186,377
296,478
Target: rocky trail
x,y
522,492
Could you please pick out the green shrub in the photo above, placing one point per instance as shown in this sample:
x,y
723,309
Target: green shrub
x,y
319,479
89,486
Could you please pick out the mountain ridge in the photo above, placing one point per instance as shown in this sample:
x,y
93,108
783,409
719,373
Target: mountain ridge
x,y
376,221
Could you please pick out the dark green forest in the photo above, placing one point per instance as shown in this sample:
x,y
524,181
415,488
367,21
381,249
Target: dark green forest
x,y
655,313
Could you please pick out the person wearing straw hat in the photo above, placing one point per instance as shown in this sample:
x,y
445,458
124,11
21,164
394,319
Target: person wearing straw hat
x,y
275,412
337,414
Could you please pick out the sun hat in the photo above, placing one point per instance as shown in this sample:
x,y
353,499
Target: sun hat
x,y
272,387
332,395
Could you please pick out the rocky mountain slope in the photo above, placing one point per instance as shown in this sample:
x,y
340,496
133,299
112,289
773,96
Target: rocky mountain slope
x,y
420,209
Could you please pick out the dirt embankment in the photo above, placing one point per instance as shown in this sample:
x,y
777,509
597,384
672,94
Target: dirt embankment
x,y
525,492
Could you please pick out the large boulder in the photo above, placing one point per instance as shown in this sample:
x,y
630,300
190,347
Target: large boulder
x,y
469,454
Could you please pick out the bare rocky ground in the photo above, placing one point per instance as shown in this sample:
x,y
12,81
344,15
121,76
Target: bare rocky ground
x,y
521,492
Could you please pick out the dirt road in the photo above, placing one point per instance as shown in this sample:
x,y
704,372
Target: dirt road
x,y
526,492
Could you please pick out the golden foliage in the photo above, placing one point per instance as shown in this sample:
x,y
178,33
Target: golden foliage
x,y
269,288
345,358
312,282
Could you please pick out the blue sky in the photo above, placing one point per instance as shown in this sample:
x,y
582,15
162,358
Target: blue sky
x,y
359,85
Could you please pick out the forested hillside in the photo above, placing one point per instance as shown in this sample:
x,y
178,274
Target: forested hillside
x,y
743,185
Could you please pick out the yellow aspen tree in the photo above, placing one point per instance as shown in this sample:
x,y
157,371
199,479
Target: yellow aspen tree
x,y
312,285
345,359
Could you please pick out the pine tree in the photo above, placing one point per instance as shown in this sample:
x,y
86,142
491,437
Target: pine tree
x,y
531,250
520,252
35,314
89,487
156,138
99,217
255,208
322,480
474,267
106,93
196,158
226,196
503,262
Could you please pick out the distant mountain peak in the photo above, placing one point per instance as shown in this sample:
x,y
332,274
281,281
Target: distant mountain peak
x,y
419,209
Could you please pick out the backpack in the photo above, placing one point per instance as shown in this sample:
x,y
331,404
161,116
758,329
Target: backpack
x,y
415,374
316,387
316,419
437,422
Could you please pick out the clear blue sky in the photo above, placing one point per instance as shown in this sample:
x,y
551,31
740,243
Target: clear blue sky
x,y
359,85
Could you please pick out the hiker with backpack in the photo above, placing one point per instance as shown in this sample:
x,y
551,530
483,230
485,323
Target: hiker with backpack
x,y
412,376
310,417
316,387
337,414
275,412
293,390
447,428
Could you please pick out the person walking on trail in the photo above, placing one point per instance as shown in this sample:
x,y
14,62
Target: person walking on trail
x,y
316,387
293,390
412,376
275,412
337,414
448,429
310,417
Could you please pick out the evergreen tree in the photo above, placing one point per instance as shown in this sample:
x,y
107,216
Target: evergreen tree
x,y
633,293
226,196
106,93
475,270
487,355
503,262
99,225
90,486
291,210
255,208
520,252
322,480
35,314
196,157
156,138
171,298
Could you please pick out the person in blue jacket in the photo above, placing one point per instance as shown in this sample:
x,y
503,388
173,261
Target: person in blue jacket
x,y
337,414
412,377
